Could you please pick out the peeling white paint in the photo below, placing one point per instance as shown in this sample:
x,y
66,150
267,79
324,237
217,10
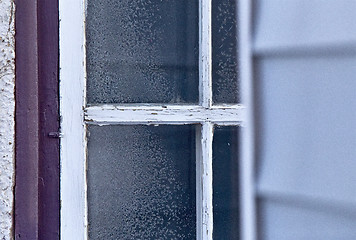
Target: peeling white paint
x,y
167,114
206,171
205,56
75,116
7,112
72,101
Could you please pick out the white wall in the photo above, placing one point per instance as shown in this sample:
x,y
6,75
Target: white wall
x,y
7,108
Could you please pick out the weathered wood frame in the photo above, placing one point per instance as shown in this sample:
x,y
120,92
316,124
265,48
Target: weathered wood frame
x,y
72,103
75,116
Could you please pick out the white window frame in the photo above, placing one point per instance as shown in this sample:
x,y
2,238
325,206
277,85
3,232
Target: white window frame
x,y
75,116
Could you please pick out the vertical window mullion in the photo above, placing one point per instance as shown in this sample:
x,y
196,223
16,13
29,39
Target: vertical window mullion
x,y
205,53
204,157
205,182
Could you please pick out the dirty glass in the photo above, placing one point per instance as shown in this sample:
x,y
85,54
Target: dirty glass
x,y
225,183
225,68
141,182
142,51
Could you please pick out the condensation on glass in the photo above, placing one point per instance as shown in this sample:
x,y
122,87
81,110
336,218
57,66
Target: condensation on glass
x,y
225,65
142,51
225,183
141,182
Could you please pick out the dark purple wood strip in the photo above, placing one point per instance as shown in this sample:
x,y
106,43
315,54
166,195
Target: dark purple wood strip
x,y
37,153
27,128
48,119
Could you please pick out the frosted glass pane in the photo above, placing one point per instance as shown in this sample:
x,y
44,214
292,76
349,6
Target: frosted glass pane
x,y
141,182
282,221
142,51
296,23
225,183
308,137
225,84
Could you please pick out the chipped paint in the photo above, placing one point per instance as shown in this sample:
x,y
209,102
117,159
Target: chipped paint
x,y
7,122
72,101
169,114
74,120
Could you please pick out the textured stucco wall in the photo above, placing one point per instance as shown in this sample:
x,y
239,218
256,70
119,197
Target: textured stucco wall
x,y
7,110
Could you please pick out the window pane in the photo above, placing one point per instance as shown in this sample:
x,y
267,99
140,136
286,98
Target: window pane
x,y
142,51
225,183
141,182
225,84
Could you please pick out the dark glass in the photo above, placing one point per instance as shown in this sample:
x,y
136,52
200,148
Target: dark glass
x,y
225,183
225,65
142,51
141,182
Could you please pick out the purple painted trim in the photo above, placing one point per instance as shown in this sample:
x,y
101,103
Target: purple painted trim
x,y
48,54
37,154
26,130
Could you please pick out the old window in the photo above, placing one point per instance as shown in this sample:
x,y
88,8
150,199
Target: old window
x,y
150,119
157,156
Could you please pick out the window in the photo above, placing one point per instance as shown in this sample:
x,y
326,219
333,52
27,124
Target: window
x,y
303,63
190,96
